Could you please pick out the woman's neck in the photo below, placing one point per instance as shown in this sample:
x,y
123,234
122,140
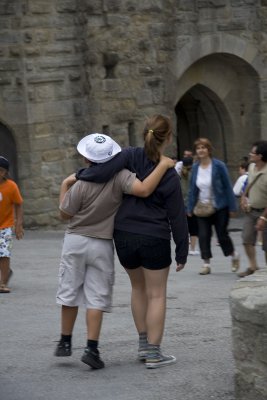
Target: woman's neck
x,y
205,162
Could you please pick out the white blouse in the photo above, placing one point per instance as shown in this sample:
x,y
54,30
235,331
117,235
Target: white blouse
x,y
204,184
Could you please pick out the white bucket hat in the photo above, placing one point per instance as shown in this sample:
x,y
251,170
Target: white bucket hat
x,y
98,148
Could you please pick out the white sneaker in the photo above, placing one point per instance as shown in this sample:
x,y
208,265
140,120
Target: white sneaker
x,y
235,262
205,270
193,253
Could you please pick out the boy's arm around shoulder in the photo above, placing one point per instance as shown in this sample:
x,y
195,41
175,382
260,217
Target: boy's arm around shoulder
x,y
148,185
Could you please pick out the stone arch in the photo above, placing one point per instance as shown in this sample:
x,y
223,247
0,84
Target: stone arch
x,y
222,92
9,149
224,43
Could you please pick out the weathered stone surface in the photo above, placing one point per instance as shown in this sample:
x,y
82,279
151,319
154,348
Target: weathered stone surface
x,y
72,67
248,302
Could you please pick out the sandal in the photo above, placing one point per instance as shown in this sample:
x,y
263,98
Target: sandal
x,y
4,289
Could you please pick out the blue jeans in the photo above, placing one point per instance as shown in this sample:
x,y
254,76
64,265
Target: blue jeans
x,y
220,221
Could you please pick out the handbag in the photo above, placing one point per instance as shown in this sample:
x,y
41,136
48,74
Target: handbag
x,y
204,209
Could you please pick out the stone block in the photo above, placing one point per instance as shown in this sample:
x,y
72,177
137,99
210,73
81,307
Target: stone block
x,y
144,97
53,155
63,6
56,49
248,304
7,8
111,85
5,81
211,3
40,7
9,37
9,65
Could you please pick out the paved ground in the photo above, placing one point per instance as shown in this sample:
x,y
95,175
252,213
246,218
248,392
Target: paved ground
x,y
198,333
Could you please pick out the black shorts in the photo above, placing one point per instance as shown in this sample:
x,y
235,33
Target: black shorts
x,y
135,250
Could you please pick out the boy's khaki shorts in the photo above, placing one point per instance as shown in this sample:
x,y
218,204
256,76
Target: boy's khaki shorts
x,y
86,272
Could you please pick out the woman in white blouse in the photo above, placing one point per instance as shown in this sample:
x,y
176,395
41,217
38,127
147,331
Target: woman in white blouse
x,y
210,182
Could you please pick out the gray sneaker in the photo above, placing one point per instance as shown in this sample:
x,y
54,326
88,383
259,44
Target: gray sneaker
x,y
157,360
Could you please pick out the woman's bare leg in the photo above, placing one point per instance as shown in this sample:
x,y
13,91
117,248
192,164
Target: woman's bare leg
x,y
156,288
138,298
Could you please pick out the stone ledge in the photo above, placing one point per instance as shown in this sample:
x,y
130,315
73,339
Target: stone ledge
x,y
248,304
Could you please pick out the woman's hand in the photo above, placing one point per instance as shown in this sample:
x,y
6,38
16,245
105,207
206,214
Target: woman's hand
x,y
168,162
260,225
70,180
232,214
179,267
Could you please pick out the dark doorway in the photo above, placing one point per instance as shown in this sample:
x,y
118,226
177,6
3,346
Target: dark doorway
x,y
8,149
200,113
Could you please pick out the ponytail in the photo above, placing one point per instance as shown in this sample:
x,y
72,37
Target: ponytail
x,y
157,130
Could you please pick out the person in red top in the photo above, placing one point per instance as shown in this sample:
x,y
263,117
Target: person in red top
x,y
11,215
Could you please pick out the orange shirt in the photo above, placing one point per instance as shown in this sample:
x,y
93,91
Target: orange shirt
x,y
9,195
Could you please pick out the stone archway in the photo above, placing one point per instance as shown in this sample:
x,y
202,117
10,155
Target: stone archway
x,y
8,149
200,113
219,98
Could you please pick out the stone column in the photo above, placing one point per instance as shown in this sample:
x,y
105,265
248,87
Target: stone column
x,y
248,304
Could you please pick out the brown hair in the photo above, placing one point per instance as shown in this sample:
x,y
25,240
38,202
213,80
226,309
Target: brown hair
x,y
204,142
157,129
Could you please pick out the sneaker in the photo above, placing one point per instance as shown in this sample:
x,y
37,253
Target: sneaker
x,y
63,349
193,253
235,263
4,288
92,358
157,360
205,270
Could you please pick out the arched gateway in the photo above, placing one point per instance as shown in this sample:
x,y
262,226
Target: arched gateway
x,y
218,96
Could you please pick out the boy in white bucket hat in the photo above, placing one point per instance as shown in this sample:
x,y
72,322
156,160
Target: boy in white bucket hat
x,y
86,272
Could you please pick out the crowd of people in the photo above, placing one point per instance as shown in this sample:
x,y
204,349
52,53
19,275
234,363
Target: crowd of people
x,y
140,200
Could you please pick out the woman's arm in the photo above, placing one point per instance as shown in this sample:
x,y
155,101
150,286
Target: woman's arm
x,y
174,204
148,185
229,190
65,186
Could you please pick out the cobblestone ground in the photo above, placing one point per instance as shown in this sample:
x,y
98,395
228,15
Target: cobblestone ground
x,y
198,333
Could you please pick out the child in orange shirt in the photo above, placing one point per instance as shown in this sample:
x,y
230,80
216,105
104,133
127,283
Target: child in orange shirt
x,y
11,215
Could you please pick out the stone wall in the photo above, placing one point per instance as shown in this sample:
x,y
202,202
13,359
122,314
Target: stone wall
x,y
248,302
70,67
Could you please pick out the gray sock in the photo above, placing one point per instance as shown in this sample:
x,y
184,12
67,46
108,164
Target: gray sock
x,y
142,339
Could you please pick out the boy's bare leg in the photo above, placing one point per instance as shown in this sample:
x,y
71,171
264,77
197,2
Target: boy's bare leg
x,y
4,269
68,318
94,322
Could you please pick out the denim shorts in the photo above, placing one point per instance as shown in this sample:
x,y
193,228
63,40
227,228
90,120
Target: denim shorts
x,y
135,250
